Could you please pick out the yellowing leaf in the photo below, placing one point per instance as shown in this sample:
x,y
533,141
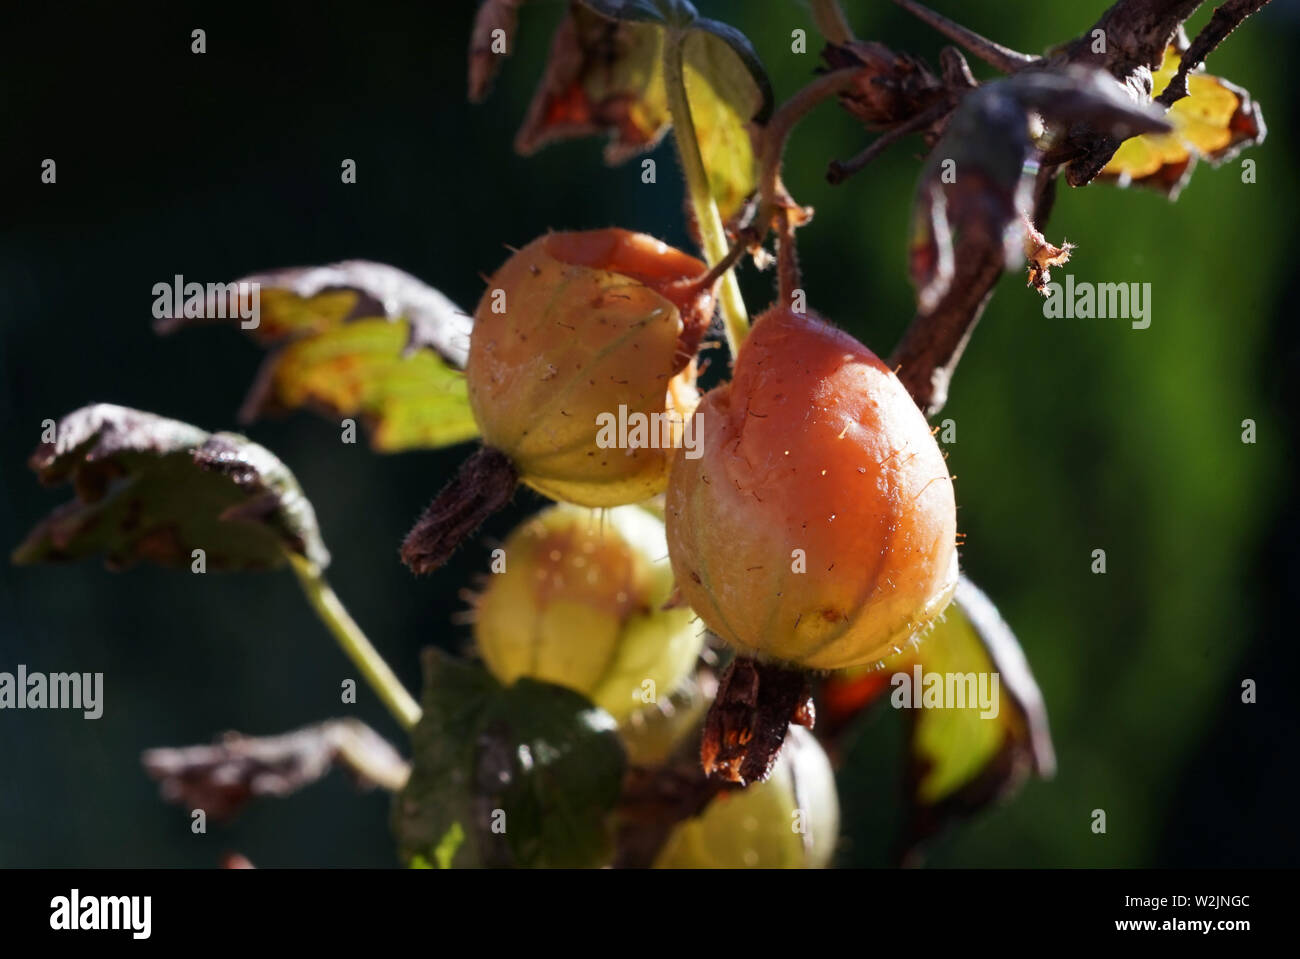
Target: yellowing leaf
x,y
966,756
413,400
1214,122
951,745
974,741
723,98
605,75
360,339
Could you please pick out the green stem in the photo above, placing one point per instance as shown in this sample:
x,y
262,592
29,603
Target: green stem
x,y
713,237
831,21
349,635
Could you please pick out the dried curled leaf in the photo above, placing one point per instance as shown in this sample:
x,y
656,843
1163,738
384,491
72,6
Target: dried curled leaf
x,y
358,338
977,186
602,76
1042,255
524,775
1214,122
154,489
221,778
605,75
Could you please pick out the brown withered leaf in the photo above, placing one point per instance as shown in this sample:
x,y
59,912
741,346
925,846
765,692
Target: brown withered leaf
x,y
977,184
154,489
222,778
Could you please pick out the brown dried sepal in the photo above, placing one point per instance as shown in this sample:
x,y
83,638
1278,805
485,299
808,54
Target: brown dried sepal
x,y
483,484
1042,255
747,723
890,88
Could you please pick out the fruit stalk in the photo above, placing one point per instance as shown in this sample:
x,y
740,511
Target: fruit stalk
x,y
378,674
778,131
771,152
713,238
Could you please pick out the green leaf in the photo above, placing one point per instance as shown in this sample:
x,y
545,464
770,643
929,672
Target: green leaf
x,y
356,339
537,759
155,489
445,851
605,75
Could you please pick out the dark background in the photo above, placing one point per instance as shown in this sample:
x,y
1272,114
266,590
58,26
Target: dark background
x,y
1072,434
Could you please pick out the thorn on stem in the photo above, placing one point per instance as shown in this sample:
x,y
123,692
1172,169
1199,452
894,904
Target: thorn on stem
x,y
841,170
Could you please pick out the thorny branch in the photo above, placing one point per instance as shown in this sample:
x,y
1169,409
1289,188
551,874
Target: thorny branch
x,y
1224,20
1134,36
841,170
933,344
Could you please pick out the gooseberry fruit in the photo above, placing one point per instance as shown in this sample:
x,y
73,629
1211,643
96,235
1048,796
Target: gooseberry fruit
x,y
579,604
592,323
789,821
576,333
817,527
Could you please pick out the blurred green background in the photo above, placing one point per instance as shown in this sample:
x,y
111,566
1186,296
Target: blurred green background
x,y
1072,435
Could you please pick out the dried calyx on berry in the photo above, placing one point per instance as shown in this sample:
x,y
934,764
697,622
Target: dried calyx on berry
x,y
575,331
